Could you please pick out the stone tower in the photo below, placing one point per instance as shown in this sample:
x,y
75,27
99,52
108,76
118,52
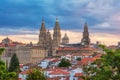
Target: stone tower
x,y
42,35
49,43
85,40
65,39
56,36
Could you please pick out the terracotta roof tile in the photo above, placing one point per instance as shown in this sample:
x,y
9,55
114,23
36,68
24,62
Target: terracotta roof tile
x,y
78,74
75,48
59,71
85,61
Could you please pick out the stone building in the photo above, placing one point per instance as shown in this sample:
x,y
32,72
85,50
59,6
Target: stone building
x,y
56,37
49,43
85,41
76,50
42,36
45,40
7,41
83,47
10,49
30,54
65,39
52,45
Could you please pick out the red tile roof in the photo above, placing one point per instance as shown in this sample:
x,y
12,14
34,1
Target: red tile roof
x,y
78,74
55,60
98,56
86,54
59,71
10,44
76,48
55,78
67,48
85,61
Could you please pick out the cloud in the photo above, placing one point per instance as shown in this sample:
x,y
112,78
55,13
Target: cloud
x,y
115,19
14,31
104,25
110,25
19,17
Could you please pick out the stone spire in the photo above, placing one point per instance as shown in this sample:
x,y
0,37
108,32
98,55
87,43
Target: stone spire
x,y
56,35
42,35
86,28
85,40
43,26
57,26
65,39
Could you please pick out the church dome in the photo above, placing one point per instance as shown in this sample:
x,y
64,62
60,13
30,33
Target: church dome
x,y
65,37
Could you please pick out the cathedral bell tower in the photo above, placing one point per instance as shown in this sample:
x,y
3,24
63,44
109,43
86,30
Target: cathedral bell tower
x,y
56,36
49,43
85,40
42,35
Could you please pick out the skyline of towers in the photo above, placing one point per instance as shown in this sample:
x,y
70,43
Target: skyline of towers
x,y
52,42
45,39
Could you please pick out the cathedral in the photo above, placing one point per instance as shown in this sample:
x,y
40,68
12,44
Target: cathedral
x,y
45,38
52,42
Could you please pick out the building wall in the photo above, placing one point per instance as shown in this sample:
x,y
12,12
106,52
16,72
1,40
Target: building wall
x,y
63,52
37,55
30,54
23,54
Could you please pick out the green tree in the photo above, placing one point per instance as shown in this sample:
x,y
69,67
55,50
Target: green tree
x,y
102,46
1,51
36,74
108,67
64,63
4,75
79,59
14,64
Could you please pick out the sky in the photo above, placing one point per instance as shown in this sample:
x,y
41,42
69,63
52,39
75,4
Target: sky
x,y
20,20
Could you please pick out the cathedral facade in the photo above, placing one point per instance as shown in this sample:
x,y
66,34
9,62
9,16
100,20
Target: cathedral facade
x,y
45,38
52,42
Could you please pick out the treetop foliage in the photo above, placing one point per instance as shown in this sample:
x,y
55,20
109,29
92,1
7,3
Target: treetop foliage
x,y
36,74
4,74
64,63
14,64
108,67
